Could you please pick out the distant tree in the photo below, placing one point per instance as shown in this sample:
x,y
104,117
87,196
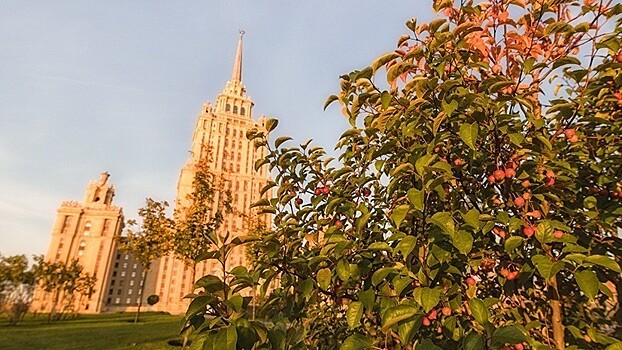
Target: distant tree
x,y
196,223
65,282
17,282
149,240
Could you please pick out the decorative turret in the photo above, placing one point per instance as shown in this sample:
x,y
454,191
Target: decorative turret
x,y
233,99
99,191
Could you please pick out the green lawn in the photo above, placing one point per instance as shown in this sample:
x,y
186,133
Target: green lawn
x,y
91,332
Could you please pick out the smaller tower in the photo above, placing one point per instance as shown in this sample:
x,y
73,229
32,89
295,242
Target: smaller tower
x,y
86,232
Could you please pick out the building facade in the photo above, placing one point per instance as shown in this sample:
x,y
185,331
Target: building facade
x,y
220,131
86,232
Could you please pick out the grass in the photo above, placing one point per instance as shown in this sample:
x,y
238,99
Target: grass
x,y
114,331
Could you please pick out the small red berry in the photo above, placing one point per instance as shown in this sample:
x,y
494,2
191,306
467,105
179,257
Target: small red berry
x,y
512,275
366,192
558,234
525,183
505,272
617,95
509,173
491,179
318,191
519,201
325,190
446,311
619,57
339,223
432,315
536,214
569,133
426,322
458,162
499,174
471,281
528,231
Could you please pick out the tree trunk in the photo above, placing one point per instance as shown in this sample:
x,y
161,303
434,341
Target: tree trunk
x,y
194,272
54,304
140,295
556,317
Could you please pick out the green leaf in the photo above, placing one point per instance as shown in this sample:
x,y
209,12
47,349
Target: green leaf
x,y
330,100
396,314
399,213
354,313
416,198
474,341
406,245
343,270
512,243
407,329
427,344
444,221
428,298
468,134
323,278
355,342
198,304
516,138
380,246
588,282
279,141
508,335
472,218
380,275
271,124
544,233
546,266
225,339
603,261
385,99
479,310
368,298
463,241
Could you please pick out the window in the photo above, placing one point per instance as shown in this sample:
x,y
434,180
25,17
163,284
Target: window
x,y
110,291
129,292
135,266
61,241
128,300
235,109
116,265
243,111
122,273
81,248
127,256
228,108
106,227
133,273
66,224
109,300
118,256
112,282
117,300
119,291
131,283
87,228
125,265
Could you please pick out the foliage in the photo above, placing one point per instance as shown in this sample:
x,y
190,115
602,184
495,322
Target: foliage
x,y
475,205
148,242
68,284
17,283
197,221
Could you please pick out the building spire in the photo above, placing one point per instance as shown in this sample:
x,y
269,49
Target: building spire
x,y
237,65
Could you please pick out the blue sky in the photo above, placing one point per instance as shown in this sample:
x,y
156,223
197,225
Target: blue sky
x,y
92,86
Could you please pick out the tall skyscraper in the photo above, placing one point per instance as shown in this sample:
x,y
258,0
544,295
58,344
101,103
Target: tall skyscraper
x,y
221,131
86,232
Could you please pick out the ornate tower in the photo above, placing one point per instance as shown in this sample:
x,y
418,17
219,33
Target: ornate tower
x,y
220,129
86,232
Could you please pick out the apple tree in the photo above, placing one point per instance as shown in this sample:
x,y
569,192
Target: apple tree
x,y
475,202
